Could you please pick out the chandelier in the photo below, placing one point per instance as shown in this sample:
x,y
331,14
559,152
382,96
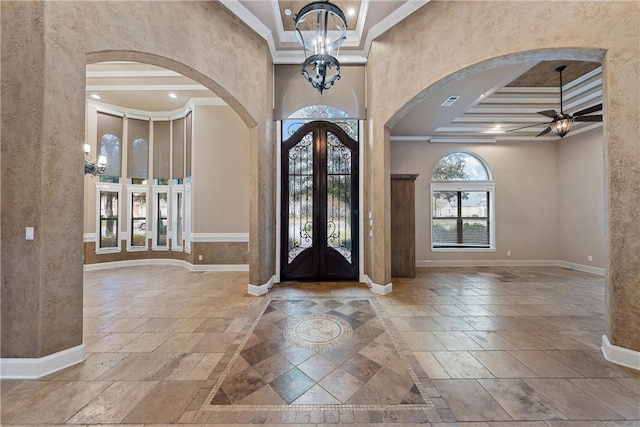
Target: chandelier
x,y
90,167
321,28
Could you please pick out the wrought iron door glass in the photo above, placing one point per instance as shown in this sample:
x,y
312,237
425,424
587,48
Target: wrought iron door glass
x,y
339,196
300,197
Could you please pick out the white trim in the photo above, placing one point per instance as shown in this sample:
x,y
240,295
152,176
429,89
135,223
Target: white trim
x,y
218,267
278,198
143,87
89,237
488,186
219,237
454,249
188,196
376,288
581,267
294,57
511,263
252,21
392,19
462,140
175,190
487,263
132,73
257,290
31,368
155,116
620,355
166,261
137,188
361,219
155,191
115,188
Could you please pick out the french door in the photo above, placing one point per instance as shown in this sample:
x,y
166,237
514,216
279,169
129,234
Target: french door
x,y
319,204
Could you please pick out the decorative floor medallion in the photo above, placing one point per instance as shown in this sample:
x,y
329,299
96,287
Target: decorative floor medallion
x,y
318,332
320,354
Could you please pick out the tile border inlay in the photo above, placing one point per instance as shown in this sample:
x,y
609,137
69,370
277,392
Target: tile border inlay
x,y
421,380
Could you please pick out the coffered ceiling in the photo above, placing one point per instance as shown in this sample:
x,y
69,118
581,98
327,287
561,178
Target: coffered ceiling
x,y
490,106
366,20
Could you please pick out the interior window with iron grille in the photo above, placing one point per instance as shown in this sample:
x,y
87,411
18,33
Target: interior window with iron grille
x,y
462,204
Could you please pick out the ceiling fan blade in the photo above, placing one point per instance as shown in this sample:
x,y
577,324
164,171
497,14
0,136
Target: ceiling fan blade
x,y
549,113
588,110
544,132
594,118
524,127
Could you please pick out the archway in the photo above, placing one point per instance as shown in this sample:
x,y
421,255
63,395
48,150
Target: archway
x,y
613,187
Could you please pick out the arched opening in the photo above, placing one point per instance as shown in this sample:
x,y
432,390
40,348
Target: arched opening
x,y
537,175
174,188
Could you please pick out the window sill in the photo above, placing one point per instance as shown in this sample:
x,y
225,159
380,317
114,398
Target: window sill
x,y
137,249
159,248
463,249
108,251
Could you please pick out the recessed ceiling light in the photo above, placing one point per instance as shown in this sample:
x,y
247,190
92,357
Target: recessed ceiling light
x,y
173,95
95,96
287,12
351,11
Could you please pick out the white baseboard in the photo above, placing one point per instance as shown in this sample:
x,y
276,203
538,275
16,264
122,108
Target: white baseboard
x,y
487,263
581,267
31,368
377,288
511,263
166,261
620,355
257,290
219,267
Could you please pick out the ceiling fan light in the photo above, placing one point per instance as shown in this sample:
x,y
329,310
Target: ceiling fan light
x,y
562,126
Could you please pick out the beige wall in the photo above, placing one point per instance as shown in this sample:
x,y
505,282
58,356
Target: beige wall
x,y
484,35
220,171
45,50
526,208
293,92
220,186
581,221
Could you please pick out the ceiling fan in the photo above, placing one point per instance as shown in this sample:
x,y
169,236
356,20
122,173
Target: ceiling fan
x,y
563,122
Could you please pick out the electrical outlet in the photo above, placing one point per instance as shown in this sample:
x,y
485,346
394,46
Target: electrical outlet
x,y
199,257
508,253
590,258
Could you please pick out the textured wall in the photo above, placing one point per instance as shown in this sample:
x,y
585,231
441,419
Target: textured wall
x,y
45,49
444,41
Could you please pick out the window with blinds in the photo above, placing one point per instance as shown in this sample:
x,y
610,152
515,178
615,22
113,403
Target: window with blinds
x,y
462,200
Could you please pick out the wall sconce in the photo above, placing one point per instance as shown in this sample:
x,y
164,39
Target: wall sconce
x,y
91,167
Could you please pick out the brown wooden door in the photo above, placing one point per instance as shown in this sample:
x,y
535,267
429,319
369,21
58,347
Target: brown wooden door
x,y
403,229
319,204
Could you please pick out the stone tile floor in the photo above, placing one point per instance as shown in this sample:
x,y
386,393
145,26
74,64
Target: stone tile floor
x,y
474,347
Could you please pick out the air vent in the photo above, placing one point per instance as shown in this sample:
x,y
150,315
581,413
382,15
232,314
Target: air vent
x,y
450,100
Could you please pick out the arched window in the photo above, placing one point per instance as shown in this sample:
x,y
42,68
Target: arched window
x,y
462,204
140,159
110,148
320,112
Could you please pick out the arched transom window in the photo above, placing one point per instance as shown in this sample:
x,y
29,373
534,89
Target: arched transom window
x,y
462,204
